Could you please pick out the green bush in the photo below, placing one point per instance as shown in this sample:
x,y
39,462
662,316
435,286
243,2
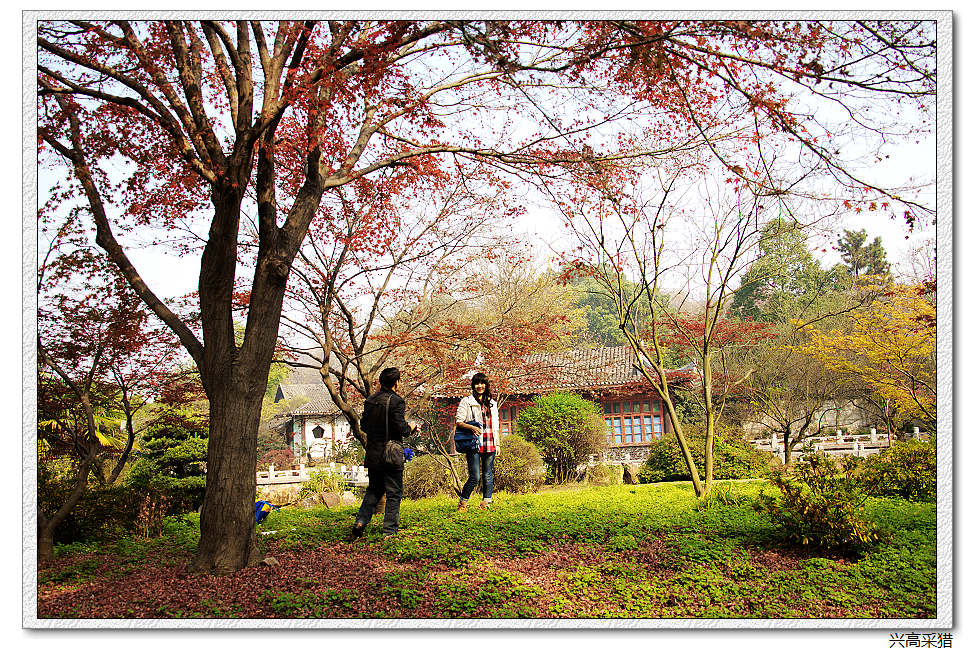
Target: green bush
x,y
322,481
565,428
426,476
346,452
734,458
518,467
906,470
104,513
172,459
819,507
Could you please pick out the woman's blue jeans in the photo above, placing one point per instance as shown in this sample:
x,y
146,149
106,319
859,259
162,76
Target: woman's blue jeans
x,y
478,464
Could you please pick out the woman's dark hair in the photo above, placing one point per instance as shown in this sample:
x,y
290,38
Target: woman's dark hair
x,y
481,377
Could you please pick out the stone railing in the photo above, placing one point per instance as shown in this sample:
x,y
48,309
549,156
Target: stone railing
x,y
354,475
839,443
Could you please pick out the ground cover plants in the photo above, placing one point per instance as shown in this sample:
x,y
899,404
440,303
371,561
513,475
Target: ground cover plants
x,y
627,551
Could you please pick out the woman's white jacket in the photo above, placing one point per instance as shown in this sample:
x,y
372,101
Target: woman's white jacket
x,y
469,409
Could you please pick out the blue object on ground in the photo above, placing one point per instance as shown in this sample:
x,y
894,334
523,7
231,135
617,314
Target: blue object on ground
x,y
263,509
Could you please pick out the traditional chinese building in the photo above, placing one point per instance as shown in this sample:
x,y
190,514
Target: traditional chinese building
x,y
632,408
314,428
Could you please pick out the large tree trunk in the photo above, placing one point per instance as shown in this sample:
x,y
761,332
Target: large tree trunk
x,y
235,379
228,540
45,543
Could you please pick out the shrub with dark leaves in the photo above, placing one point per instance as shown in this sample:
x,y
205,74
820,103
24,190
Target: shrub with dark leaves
x,y
104,513
281,458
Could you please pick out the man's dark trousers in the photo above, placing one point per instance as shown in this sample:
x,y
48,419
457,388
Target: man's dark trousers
x,y
383,480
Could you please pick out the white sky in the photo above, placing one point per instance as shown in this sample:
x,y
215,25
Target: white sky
x,y
542,228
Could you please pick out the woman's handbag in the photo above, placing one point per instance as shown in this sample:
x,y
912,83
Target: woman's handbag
x,y
393,454
464,440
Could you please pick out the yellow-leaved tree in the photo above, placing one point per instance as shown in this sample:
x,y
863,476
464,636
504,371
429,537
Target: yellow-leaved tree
x,y
890,345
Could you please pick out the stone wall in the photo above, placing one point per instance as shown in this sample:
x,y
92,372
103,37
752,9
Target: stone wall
x,y
831,417
623,455
279,493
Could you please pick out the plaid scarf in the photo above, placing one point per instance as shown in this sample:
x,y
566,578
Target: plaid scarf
x,y
487,434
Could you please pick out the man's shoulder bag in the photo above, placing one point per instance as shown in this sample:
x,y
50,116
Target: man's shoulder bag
x,y
393,455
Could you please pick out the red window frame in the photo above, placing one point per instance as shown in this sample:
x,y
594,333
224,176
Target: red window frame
x,y
508,419
633,420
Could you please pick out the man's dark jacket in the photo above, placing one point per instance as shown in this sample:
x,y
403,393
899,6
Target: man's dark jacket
x,y
374,424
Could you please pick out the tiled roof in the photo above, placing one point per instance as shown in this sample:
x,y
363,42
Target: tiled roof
x,y
319,400
577,369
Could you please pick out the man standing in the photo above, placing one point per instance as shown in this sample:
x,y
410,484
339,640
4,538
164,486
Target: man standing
x,y
383,418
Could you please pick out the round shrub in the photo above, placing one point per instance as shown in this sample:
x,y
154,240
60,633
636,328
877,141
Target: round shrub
x,y
518,467
426,476
906,470
734,458
565,428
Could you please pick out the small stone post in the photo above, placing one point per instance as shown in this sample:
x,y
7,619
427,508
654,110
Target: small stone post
x,y
917,433
270,471
873,435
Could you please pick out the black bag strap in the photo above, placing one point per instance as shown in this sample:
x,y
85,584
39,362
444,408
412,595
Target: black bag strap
x,y
388,399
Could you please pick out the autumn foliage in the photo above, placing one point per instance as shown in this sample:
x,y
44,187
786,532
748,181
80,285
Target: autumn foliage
x,y
891,346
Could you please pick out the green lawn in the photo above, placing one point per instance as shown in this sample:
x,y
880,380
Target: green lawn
x,y
646,551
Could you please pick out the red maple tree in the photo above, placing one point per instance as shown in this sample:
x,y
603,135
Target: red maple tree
x,y
98,352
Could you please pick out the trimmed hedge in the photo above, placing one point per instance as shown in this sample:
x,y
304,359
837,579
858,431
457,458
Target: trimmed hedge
x,y
734,458
565,428
105,513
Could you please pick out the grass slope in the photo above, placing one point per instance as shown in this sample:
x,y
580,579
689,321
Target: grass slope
x,y
646,551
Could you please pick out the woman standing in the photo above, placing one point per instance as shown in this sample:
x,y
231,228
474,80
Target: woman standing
x,y
479,407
